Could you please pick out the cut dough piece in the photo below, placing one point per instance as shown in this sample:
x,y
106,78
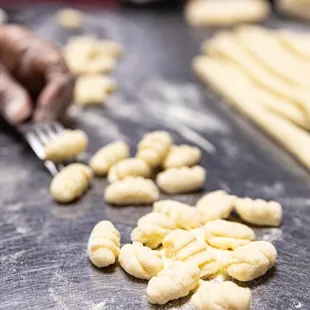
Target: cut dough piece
x,y
259,212
70,183
181,180
201,13
174,282
222,78
70,18
215,205
66,145
93,89
131,167
108,156
227,235
220,296
182,156
185,216
104,244
140,261
152,228
131,191
226,45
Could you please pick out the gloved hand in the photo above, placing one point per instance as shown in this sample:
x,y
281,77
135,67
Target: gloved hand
x,y
34,79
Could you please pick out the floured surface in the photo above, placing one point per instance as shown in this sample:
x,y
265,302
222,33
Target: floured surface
x,y
43,259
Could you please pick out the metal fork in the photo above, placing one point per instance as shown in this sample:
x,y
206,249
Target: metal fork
x,y
37,135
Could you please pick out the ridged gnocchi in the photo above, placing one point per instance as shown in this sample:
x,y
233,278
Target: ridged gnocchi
x,y
259,212
152,228
154,147
173,282
131,191
140,261
182,156
66,145
103,244
252,260
131,167
219,296
181,180
108,156
227,235
182,245
215,205
183,215
70,183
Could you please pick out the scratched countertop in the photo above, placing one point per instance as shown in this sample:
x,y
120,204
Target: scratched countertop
x,y
43,261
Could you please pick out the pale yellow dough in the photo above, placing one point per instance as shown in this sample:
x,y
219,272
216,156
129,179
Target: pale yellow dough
x,y
70,183
227,235
66,145
181,180
174,282
152,228
140,261
221,296
108,156
259,211
104,244
215,205
131,191
70,18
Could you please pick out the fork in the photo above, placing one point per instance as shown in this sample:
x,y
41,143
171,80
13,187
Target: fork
x,y
37,135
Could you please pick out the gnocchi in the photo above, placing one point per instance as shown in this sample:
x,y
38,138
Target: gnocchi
x,y
154,147
173,282
66,145
215,205
183,215
152,228
70,183
108,156
103,244
227,235
93,89
130,191
182,155
259,212
134,167
140,261
219,296
251,261
181,180
182,245
70,18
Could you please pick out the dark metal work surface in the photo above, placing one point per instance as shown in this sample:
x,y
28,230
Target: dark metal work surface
x,y
43,261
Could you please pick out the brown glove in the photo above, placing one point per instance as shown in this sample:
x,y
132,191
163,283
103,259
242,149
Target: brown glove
x,y
34,79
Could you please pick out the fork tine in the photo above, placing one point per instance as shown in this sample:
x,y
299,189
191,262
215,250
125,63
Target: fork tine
x,y
50,130
51,167
35,143
59,128
39,130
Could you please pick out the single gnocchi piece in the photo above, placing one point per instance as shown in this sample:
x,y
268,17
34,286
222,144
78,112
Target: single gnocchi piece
x,y
219,296
182,245
252,260
227,235
70,183
173,282
132,191
108,156
152,228
182,156
154,147
184,216
104,244
131,167
66,145
70,18
140,261
181,180
93,89
259,212
215,205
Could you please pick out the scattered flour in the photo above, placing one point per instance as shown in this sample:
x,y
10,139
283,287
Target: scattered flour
x,y
271,234
100,306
